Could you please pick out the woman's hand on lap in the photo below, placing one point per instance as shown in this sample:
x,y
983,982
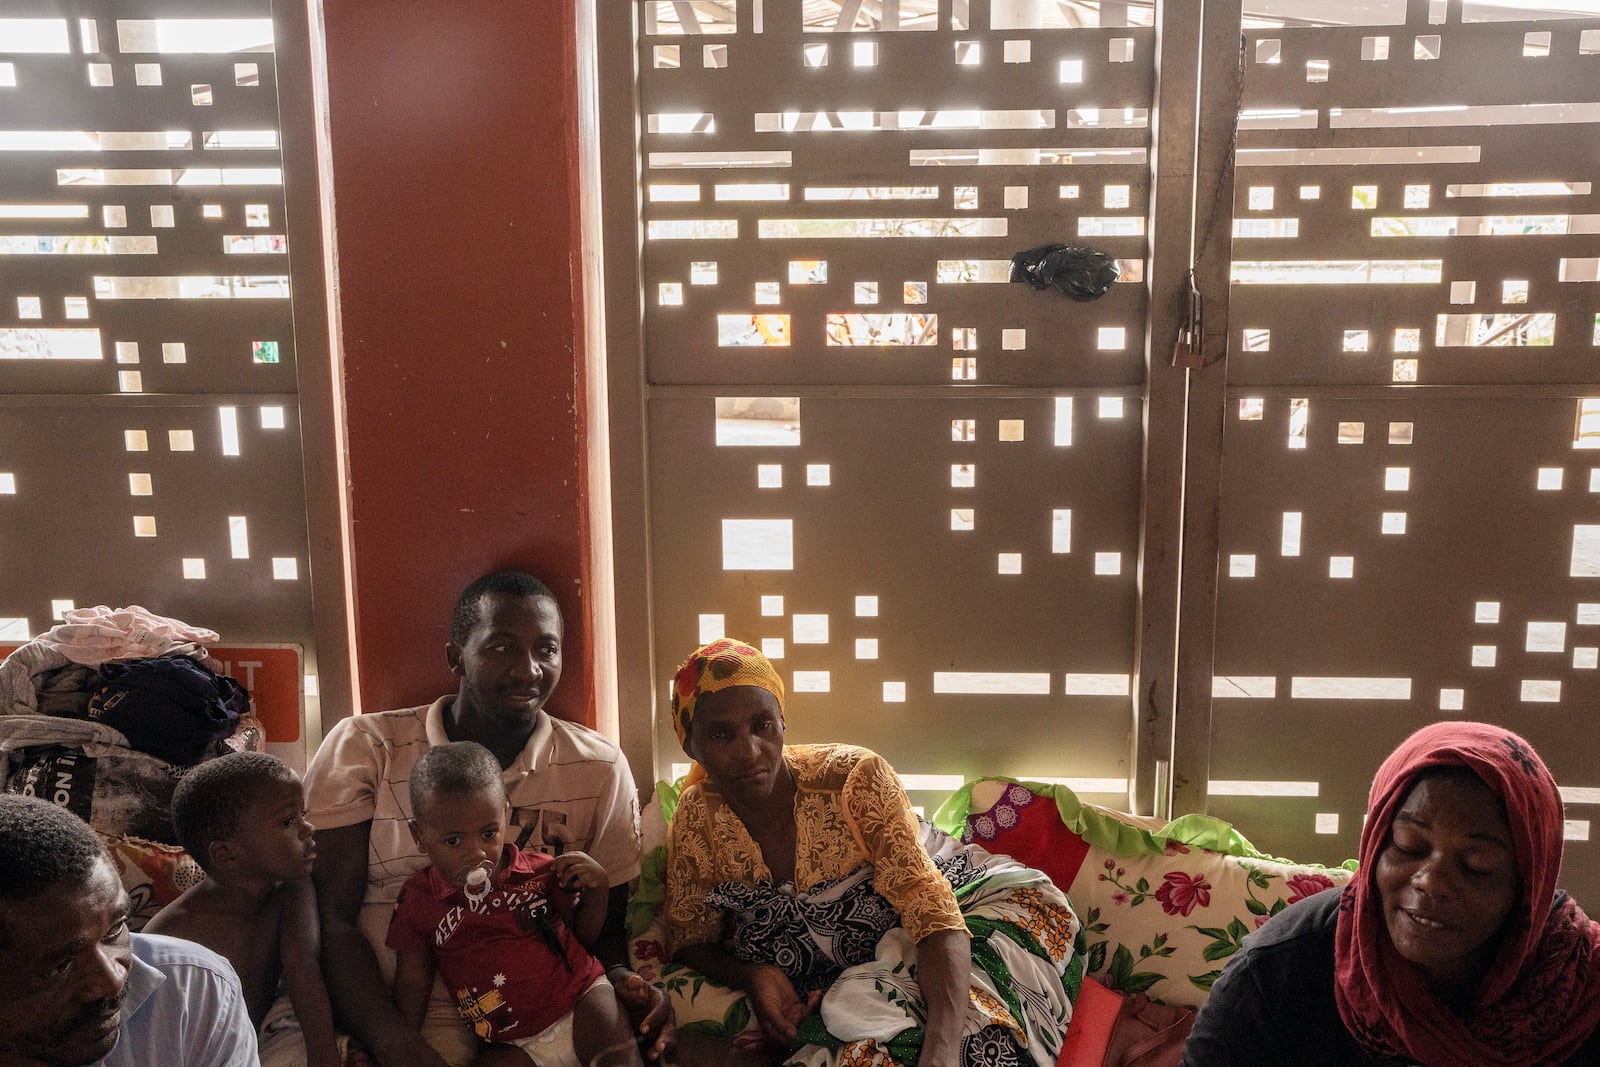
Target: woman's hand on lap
x,y
778,1008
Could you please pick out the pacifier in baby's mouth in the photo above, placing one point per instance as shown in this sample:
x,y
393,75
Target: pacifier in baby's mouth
x,y
475,880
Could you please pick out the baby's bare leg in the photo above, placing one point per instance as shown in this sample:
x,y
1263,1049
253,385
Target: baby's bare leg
x,y
502,1056
600,1025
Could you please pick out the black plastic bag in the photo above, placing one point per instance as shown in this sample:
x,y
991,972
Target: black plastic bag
x,y
1080,273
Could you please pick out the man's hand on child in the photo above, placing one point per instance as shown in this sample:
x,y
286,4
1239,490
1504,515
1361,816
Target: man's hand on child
x,y
578,871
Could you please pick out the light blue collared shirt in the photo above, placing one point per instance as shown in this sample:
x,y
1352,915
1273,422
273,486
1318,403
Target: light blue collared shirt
x,y
184,1006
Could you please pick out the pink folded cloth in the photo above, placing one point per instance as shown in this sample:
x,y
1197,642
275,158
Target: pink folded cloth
x,y
96,635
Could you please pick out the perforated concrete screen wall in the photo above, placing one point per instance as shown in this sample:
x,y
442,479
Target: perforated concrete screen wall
x,y
826,260
1410,490
150,445
919,487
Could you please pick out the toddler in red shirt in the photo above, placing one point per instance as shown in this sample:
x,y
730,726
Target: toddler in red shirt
x,y
505,929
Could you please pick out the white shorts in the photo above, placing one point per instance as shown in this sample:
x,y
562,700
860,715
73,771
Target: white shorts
x,y
552,1046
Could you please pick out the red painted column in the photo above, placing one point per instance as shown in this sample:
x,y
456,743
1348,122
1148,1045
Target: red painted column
x,y
456,231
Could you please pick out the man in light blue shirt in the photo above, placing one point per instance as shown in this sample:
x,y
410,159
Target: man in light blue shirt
x,y
76,987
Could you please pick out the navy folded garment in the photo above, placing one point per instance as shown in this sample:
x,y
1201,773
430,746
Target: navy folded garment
x,y
173,707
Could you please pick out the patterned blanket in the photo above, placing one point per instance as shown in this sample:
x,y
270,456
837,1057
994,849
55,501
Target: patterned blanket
x,y
1027,961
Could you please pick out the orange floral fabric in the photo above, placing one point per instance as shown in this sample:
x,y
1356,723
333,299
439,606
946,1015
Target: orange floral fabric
x,y
849,809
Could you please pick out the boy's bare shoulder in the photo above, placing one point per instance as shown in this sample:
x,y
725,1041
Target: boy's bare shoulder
x,y
209,914
194,912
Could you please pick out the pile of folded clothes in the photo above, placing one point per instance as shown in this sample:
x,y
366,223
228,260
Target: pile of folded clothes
x,y
104,714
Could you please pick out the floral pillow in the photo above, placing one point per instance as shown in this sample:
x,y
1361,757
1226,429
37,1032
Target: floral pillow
x,y
1163,905
153,874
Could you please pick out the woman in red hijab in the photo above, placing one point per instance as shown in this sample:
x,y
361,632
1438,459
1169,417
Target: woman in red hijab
x,y
1453,948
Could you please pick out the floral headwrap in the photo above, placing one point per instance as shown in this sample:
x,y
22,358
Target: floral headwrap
x,y
1540,999
722,664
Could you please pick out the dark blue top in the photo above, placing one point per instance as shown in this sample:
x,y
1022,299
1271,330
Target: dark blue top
x,y
1274,1003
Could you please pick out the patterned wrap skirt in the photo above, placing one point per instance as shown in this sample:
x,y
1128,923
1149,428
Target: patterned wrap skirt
x,y
846,939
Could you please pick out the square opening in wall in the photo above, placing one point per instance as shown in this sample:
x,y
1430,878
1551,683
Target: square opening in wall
x,y
810,629
757,544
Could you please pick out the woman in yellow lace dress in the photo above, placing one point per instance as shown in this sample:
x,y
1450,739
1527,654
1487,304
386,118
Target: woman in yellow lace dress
x,y
800,875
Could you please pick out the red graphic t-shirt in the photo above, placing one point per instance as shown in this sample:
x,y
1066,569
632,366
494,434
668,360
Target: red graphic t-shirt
x,y
509,960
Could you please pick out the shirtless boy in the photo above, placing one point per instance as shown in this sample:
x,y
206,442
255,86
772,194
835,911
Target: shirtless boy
x,y
242,817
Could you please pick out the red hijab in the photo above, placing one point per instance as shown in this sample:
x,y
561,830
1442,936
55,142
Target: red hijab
x,y
1540,999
